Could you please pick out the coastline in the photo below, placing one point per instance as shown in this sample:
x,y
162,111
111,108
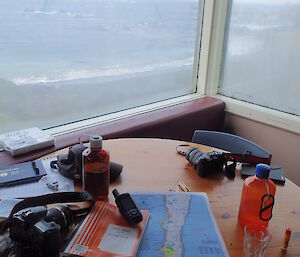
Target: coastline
x,y
76,100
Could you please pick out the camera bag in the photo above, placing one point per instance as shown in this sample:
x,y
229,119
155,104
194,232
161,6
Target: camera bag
x,y
70,165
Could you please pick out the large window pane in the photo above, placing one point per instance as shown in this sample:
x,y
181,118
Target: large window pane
x,y
262,56
63,61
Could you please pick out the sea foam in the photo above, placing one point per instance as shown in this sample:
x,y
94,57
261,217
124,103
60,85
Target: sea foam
x,y
110,71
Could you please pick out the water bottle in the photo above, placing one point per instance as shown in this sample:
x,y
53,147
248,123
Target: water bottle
x,y
95,173
257,198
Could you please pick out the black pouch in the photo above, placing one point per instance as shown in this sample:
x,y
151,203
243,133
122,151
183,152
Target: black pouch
x,y
70,165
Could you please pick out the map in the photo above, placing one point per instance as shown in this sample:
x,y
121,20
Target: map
x,y
180,225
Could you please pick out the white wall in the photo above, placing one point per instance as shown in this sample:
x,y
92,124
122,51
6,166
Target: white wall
x,y
283,145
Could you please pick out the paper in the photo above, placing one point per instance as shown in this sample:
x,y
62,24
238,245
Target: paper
x,y
6,206
112,237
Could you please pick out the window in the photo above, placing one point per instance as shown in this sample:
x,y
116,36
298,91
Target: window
x,y
65,61
262,54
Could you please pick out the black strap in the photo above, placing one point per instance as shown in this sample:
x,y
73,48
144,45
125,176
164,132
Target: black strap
x,y
61,197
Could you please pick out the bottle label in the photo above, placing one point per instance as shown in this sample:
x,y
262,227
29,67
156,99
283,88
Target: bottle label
x,y
266,207
100,170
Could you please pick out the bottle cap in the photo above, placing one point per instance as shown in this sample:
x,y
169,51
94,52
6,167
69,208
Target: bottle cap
x,y
96,141
262,170
288,231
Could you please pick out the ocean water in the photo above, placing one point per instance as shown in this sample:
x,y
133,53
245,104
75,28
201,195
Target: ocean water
x,y
43,41
64,61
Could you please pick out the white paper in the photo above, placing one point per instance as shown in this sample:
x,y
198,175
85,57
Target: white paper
x,y
119,240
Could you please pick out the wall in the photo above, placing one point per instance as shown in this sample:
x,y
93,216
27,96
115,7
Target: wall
x,y
284,145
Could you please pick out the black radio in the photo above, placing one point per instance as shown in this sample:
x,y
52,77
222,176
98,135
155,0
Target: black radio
x,y
127,207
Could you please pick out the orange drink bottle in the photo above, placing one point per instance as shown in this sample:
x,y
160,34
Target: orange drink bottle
x,y
257,199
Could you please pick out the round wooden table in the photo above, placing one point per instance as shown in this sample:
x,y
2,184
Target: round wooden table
x,y
153,165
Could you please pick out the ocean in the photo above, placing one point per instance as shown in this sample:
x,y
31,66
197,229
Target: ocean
x,y
64,61
44,41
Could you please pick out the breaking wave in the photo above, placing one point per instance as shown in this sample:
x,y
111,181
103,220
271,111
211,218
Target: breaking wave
x,y
55,12
111,71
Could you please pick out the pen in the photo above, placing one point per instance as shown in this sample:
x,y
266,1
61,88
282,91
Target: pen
x,y
286,239
183,186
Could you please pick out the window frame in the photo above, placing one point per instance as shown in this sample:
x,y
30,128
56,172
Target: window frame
x,y
213,76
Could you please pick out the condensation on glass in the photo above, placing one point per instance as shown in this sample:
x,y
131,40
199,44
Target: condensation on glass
x,y
64,61
262,54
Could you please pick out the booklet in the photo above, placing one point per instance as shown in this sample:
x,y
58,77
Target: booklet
x,y
26,140
105,232
21,173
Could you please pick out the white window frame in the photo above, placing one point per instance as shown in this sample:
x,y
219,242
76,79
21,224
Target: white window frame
x,y
210,75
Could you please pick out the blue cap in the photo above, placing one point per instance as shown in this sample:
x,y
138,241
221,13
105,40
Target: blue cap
x,y
262,170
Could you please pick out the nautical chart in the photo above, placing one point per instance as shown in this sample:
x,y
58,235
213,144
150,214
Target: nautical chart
x,y
180,225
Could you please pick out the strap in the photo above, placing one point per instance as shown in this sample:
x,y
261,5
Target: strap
x,y
237,157
61,197
247,158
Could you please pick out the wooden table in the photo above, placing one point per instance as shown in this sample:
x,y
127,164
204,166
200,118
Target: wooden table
x,y
154,165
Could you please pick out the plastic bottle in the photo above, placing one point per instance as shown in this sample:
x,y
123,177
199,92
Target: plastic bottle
x,y
257,198
95,173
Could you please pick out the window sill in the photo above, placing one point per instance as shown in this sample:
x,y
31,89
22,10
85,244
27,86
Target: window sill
x,y
113,117
261,114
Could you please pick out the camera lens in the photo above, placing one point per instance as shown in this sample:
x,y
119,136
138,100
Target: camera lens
x,y
193,156
62,216
196,157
